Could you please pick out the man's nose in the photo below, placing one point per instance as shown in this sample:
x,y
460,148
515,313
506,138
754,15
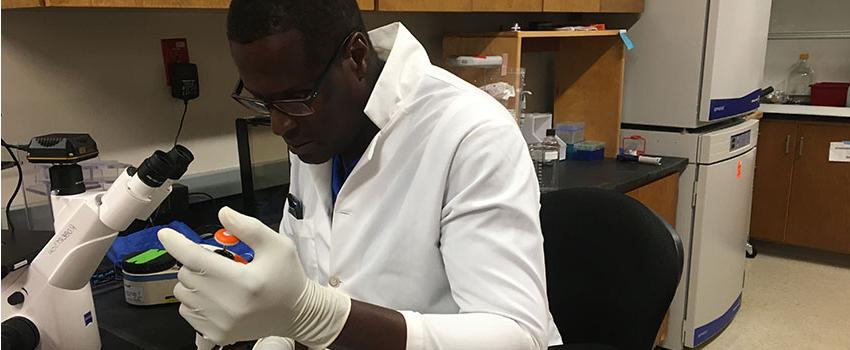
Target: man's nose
x,y
281,123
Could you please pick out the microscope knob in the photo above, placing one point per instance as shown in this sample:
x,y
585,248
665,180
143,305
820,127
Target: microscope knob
x,y
20,333
225,239
16,298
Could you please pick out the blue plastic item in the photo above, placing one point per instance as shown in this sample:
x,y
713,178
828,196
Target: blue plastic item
x,y
588,155
587,150
146,239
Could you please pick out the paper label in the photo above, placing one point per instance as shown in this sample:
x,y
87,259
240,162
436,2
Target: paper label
x,y
551,155
131,293
839,152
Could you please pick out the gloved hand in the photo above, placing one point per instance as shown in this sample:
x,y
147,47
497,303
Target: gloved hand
x,y
227,301
274,343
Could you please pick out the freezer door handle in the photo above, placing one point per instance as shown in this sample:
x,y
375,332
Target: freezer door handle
x,y
787,143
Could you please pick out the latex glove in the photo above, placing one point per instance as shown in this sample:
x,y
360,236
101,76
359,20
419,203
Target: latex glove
x,y
227,301
274,343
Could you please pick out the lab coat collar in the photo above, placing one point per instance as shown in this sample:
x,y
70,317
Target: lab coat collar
x,y
405,63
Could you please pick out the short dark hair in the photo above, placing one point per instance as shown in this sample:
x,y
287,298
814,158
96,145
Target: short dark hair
x,y
323,23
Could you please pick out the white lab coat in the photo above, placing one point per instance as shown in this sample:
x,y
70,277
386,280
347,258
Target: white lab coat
x,y
439,216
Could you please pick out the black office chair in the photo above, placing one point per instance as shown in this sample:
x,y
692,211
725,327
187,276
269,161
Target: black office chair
x,y
612,267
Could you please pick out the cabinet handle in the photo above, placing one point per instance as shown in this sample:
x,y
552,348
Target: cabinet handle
x,y
800,150
787,143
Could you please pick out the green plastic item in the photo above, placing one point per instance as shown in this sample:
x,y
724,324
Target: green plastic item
x,y
146,256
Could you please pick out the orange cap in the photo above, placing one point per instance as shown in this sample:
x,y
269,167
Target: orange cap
x,y
225,239
804,56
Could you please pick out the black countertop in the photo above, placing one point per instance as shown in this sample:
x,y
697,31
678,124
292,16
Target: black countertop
x,y
124,326
615,175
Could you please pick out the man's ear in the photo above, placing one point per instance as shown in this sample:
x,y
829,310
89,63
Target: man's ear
x,y
358,51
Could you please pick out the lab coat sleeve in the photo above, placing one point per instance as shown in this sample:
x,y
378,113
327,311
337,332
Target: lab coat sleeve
x,y
464,331
490,240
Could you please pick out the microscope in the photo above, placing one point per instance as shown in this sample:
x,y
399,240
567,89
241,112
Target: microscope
x,y
48,304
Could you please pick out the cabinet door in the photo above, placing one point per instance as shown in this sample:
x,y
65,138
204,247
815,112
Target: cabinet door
x,y
660,196
425,5
631,6
819,212
507,5
772,183
366,5
211,4
13,4
571,5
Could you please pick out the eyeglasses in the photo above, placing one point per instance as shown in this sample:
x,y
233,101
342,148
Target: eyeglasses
x,y
296,107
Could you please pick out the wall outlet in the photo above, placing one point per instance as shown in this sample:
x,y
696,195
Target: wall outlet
x,y
173,51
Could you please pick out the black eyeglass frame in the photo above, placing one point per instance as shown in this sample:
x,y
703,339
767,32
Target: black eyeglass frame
x,y
297,103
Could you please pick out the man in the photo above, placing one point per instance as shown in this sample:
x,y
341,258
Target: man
x,y
412,220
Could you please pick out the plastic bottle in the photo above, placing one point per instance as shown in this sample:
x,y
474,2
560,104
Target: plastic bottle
x,y
545,155
800,78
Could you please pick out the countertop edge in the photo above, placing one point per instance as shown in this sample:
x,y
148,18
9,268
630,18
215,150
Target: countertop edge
x,y
678,166
823,111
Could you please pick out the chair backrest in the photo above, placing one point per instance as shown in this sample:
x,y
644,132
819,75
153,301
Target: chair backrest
x,y
612,267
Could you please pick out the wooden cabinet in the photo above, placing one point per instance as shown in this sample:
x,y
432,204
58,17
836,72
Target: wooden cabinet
x,y
461,5
661,196
571,5
425,5
208,4
772,182
603,6
366,5
507,5
799,196
819,208
212,4
13,4
597,6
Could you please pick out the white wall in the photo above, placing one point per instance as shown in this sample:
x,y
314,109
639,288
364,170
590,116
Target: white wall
x,y
830,58
100,71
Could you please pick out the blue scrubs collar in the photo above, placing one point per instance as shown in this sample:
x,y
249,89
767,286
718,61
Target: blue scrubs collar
x,y
339,173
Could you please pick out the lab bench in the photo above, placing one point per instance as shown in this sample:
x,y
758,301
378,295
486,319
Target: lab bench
x,y
124,326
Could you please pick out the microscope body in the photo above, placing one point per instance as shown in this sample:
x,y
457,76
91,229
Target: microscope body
x,y
53,292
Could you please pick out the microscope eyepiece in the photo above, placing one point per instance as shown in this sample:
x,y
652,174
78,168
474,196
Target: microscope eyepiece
x,y
162,166
180,158
155,170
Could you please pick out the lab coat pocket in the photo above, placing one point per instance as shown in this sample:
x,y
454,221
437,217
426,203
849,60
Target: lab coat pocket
x,y
304,239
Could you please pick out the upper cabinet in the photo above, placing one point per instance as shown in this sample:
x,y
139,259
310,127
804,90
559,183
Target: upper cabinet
x,y
461,5
426,5
366,5
602,6
212,4
13,4
507,5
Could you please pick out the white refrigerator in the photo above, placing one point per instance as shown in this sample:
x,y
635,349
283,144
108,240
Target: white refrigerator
x,y
695,71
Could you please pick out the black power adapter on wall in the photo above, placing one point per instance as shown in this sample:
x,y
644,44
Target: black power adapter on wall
x,y
184,81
